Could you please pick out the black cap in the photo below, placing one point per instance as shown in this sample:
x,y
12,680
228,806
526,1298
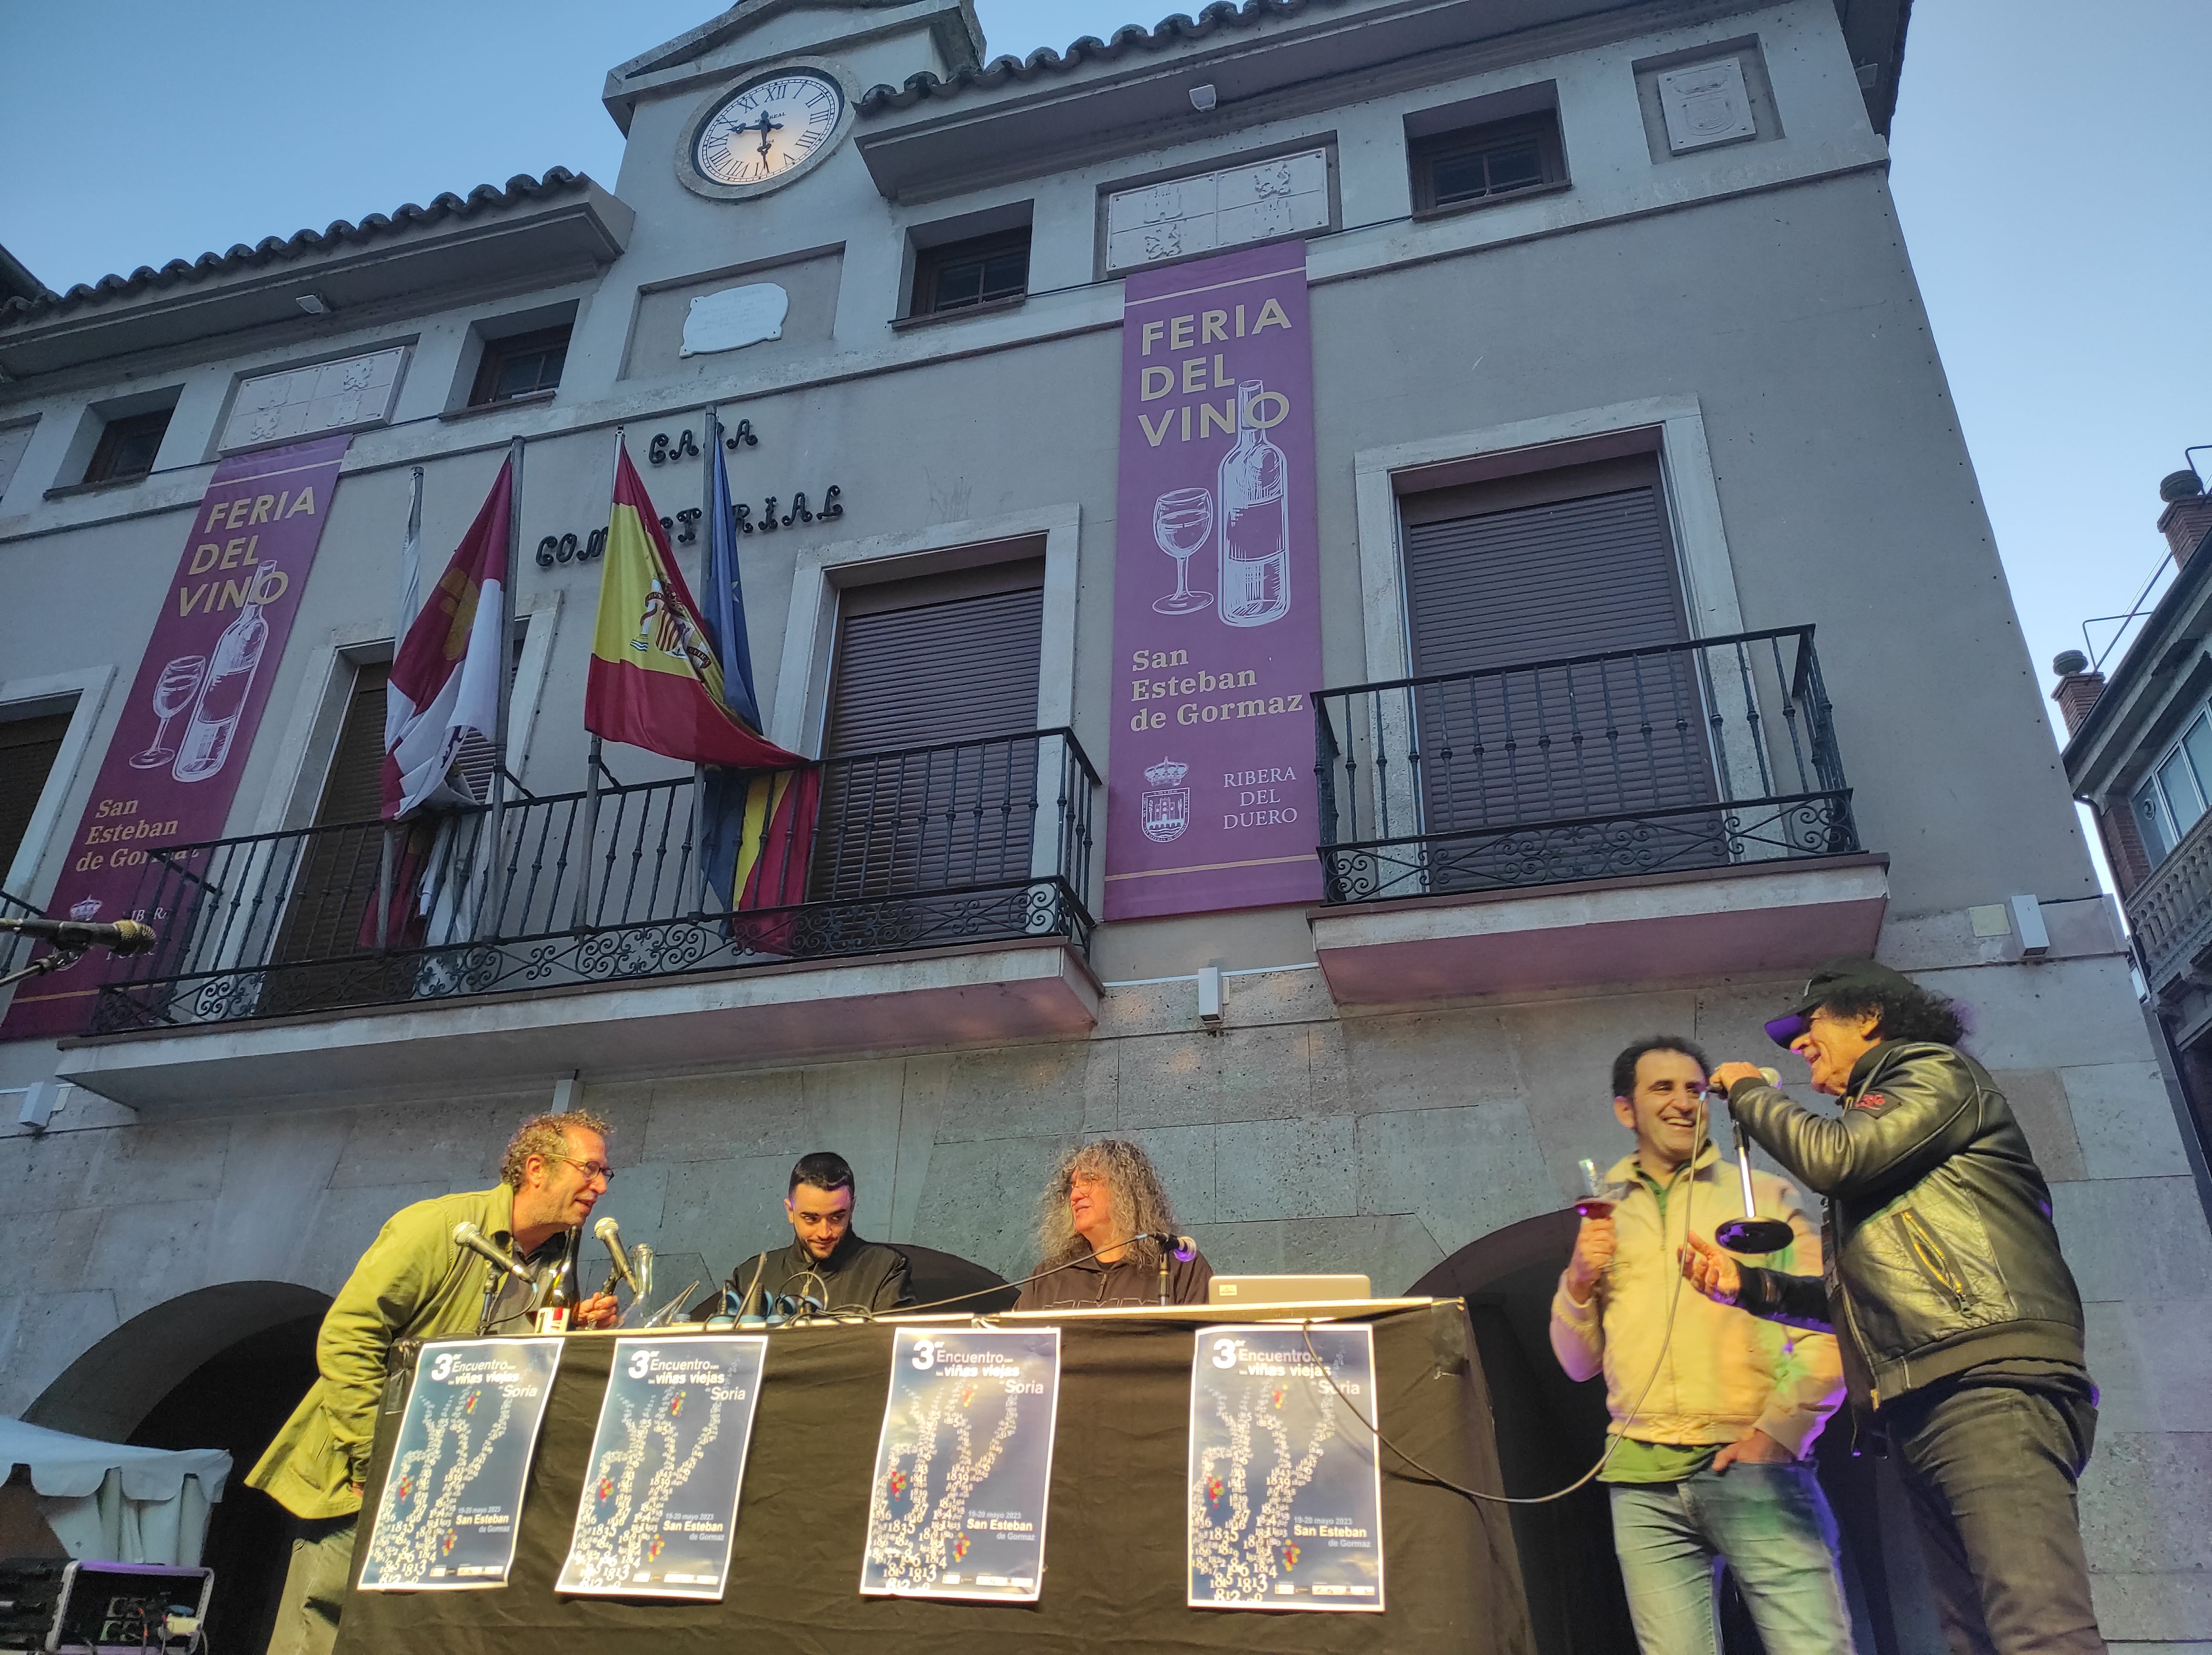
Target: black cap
x,y
1838,980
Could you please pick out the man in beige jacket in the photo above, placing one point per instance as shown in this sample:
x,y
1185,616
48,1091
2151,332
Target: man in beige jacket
x,y
1713,1414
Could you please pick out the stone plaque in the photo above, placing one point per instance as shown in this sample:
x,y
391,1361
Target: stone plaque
x,y
1230,208
734,317
1705,103
305,401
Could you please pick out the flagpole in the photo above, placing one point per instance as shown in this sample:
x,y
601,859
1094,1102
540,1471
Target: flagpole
x,y
582,912
713,458
410,581
505,654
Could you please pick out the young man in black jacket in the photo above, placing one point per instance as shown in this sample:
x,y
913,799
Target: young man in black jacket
x,y
1959,1321
826,1261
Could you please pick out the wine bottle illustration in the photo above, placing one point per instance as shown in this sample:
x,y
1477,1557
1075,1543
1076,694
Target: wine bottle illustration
x,y
222,703
1254,518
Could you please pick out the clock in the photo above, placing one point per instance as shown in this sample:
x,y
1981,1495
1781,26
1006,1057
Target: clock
x,y
760,135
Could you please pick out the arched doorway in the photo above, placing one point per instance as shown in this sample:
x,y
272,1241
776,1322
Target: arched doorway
x,y
222,1367
1550,1430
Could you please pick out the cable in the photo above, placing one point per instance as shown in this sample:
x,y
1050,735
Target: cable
x,y
1613,1438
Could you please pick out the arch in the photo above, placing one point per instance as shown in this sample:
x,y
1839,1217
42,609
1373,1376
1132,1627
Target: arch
x,y
220,1367
1549,1430
109,1390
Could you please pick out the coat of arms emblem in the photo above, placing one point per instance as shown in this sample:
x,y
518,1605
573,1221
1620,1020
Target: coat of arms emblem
x,y
1166,803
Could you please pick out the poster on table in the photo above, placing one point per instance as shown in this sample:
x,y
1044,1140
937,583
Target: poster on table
x,y
659,1507
1211,796
188,719
453,1497
963,1466
1285,1491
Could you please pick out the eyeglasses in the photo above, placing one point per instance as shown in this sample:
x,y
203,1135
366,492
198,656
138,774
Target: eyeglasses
x,y
591,1169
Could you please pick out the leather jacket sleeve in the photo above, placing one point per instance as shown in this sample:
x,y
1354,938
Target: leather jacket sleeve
x,y
1793,1301
1928,1109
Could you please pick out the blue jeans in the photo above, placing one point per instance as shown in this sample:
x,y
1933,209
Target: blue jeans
x,y
1771,1523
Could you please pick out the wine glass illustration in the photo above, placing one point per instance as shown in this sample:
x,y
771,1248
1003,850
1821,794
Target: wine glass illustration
x,y
179,682
1183,522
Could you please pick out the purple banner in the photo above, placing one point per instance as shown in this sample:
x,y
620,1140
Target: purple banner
x,y
173,763
1210,798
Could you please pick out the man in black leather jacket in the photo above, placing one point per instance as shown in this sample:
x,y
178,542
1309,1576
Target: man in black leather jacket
x,y
1960,1324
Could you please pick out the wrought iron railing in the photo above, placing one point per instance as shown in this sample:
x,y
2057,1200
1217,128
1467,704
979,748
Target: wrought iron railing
x,y
959,842
14,948
1630,762
2171,912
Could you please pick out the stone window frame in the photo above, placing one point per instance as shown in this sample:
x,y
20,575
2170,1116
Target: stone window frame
x,y
303,753
90,686
1671,427
820,574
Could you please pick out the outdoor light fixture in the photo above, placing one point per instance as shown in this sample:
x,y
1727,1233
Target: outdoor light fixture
x,y
314,303
1202,98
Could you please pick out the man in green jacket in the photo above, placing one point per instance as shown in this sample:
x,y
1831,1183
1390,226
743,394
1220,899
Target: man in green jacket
x,y
414,1283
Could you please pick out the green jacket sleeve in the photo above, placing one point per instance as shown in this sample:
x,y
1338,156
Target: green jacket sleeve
x,y
1928,1109
375,1307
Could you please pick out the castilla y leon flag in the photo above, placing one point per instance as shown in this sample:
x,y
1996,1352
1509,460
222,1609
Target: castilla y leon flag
x,y
656,682
444,679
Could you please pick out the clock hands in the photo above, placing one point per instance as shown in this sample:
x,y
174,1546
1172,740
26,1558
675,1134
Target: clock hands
x,y
763,126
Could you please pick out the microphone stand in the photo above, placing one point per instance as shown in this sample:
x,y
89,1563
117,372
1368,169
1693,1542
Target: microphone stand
x,y
1750,1233
56,959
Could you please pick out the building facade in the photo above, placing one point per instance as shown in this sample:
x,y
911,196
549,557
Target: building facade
x,y
1662,650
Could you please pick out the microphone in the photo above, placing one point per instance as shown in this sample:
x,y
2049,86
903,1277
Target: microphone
x,y
469,1239
123,937
1182,1246
1750,1234
611,1233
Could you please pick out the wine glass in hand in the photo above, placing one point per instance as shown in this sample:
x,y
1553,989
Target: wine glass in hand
x,y
179,682
1182,523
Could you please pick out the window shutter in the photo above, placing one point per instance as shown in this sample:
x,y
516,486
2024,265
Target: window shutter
x,y
950,672
958,670
1527,582
337,874
29,747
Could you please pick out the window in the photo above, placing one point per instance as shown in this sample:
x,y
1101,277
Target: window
x,y
29,747
127,446
947,816
2173,796
522,364
1481,163
1573,562
961,275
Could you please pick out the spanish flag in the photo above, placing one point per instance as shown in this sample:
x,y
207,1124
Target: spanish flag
x,y
657,682
654,681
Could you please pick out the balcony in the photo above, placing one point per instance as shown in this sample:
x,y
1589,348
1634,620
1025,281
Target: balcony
x,y
1640,815
2171,914
946,900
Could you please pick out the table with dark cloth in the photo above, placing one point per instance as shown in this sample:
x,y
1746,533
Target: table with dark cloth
x,y
1115,1571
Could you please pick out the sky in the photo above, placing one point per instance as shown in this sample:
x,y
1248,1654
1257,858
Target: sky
x,y
2046,160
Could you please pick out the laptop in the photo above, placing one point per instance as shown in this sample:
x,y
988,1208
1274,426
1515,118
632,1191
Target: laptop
x,y
1286,1290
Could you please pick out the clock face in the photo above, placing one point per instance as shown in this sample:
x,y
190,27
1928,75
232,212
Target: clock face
x,y
765,130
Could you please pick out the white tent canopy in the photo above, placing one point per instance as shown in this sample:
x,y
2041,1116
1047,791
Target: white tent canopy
x,y
117,1503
